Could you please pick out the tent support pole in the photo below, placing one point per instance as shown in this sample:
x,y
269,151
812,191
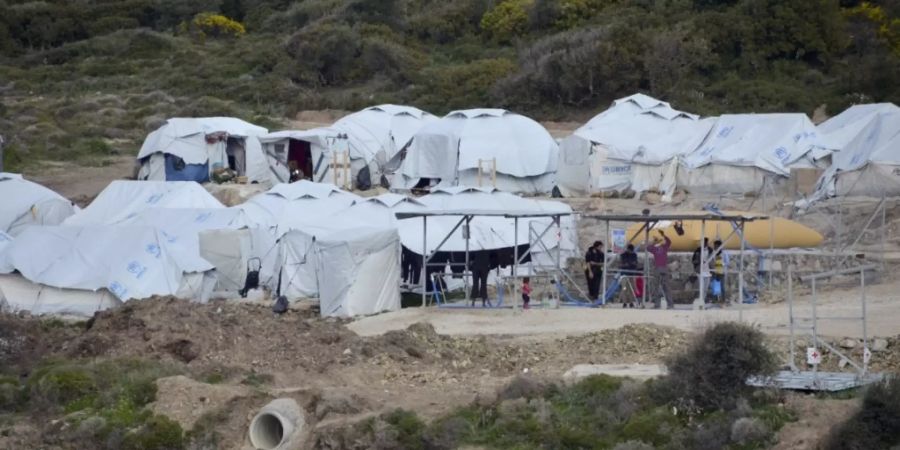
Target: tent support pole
x,y
603,269
646,265
704,265
424,259
466,271
515,262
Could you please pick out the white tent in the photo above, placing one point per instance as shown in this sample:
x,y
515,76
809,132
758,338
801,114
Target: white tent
x,y
288,206
128,262
26,203
868,158
124,199
190,149
451,149
353,268
628,146
342,249
314,152
742,149
225,237
376,135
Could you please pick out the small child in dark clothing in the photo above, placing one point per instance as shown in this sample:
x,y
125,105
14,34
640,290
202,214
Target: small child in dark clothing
x,y
526,292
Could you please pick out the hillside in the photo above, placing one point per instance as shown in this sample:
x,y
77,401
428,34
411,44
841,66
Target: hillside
x,y
85,80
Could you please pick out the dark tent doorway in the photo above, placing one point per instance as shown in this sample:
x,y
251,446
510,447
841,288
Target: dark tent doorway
x,y
300,158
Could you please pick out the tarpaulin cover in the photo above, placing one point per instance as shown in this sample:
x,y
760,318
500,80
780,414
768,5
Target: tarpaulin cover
x,y
131,262
124,199
455,143
24,203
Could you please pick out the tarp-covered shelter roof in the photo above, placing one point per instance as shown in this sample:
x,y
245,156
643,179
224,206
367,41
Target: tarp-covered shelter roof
x,y
521,146
24,203
124,199
129,261
772,142
645,130
170,138
382,129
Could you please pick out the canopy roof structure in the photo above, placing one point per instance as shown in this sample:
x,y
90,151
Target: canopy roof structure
x,y
380,132
772,142
846,127
124,199
25,203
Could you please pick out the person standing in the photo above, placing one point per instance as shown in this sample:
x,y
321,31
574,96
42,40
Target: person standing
x,y
660,251
719,271
481,267
526,292
628,266
593,271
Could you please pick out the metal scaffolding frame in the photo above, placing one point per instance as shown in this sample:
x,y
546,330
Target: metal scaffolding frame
x,y
815,380
466,216
650,220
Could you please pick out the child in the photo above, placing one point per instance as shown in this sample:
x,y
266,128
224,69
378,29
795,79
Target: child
x,y
526,292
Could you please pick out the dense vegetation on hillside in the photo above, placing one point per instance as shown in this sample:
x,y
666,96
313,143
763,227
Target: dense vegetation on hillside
x,y
89,77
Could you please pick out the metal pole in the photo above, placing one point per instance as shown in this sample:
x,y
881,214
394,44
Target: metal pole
x,y
515,266
704,264
466,271
646,265
862,283
815,331
558,244
603,270
790,275
1,152
741,275
771,247
424,259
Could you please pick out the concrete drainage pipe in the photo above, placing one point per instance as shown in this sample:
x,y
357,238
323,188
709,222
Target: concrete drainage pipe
x,y
278,426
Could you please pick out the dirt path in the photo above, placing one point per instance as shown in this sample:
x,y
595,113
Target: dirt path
x,y
883,317
816,417
81,183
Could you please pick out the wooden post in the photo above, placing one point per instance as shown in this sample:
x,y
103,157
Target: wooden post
x,y
494,172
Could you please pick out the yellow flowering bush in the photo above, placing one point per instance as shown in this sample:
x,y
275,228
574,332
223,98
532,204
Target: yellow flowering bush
x,y
216,25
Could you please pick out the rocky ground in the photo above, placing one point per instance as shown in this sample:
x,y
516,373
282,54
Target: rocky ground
x,y
233,358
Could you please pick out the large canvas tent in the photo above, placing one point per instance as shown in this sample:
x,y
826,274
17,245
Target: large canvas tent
x,y
352,267
868,158
742,150
124,199
225,237
376,135
191,149
313,153
628,146
126,262
461,148
24,203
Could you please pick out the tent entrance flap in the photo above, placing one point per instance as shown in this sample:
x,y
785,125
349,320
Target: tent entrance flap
x,y
300,158
237,155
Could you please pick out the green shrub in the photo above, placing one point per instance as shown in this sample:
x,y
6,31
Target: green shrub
x,y
712,373
156,433
876,425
